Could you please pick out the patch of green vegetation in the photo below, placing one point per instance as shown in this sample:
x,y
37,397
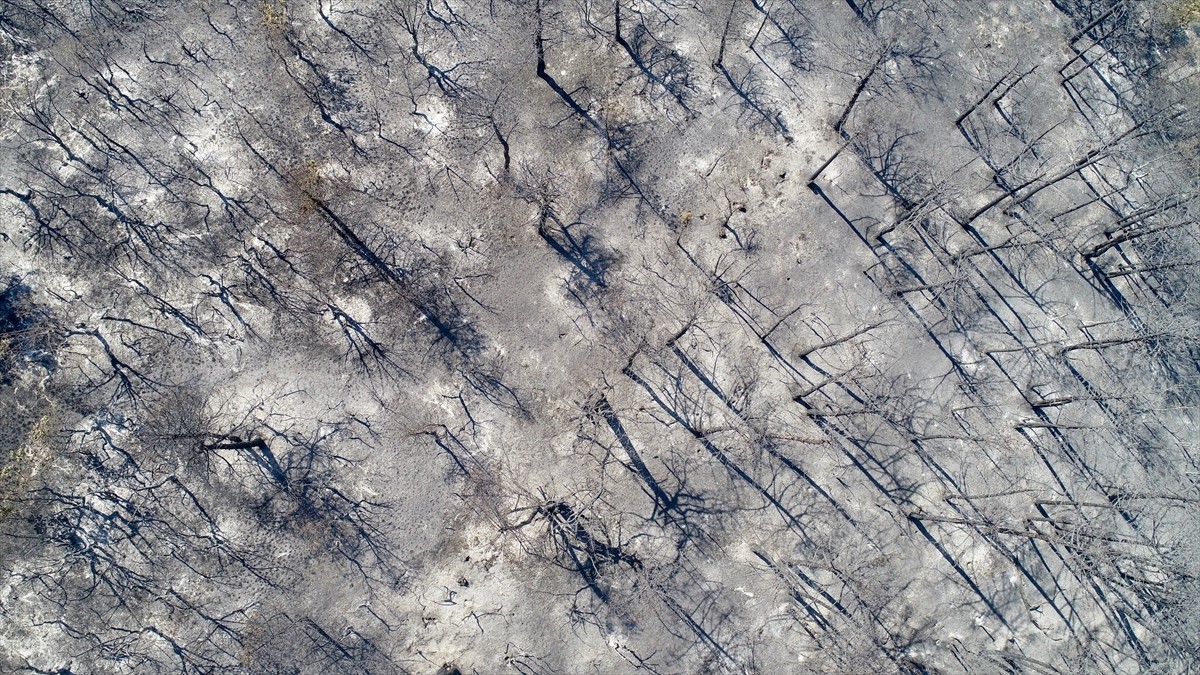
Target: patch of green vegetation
x,y
309,185
1186,12
23,463
274,15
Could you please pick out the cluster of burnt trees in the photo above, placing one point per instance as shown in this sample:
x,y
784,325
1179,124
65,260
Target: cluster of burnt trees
x,y
204,199
181,227
996,274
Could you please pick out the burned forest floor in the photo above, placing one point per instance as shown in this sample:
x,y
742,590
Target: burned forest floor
x,y
536,336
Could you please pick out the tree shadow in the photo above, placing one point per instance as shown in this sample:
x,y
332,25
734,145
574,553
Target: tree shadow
x,y
592,262
657,61
24,330
579,544
676,507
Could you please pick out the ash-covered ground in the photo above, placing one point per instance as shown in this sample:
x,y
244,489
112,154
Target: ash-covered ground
x,y
549,336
